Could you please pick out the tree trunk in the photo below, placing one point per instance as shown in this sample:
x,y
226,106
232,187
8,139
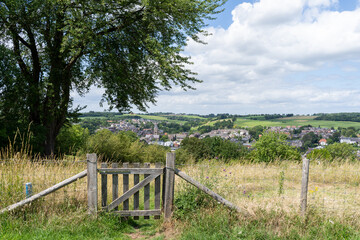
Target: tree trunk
x,y
49,145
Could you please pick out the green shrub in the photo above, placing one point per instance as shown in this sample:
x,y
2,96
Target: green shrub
x,y
125,147
334,152
272,146
190,199
211,147
154,153
71,139
119,147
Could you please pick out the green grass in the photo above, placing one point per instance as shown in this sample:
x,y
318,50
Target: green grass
x,y
157,118
220,223
295,121
93,118
73,225
189,116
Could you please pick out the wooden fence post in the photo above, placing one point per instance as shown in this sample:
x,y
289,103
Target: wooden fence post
x,y
169,185
304,185
92,186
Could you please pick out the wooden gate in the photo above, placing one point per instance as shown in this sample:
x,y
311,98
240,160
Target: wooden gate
x,y
140,178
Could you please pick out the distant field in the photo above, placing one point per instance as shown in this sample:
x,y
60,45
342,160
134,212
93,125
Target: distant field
x,y
246,122
299,118
189,116
295,121
93,117
151,117
157,118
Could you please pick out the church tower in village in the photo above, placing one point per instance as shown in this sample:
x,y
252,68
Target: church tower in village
x,y
156,129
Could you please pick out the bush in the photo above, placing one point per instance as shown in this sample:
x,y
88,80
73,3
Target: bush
x,y
120,147
190,199
272,146
154,153
211,147
124,147
334,152
71,139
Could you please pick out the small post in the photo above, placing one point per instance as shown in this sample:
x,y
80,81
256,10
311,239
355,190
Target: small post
x,y
92,186
304,185
103,187
169,185
115,184
28,189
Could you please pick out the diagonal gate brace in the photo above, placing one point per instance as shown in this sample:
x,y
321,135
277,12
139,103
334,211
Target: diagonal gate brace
x,y
131,191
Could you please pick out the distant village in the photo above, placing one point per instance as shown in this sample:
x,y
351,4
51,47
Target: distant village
x,y
157,136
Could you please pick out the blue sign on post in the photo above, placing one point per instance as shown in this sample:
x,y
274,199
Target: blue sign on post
x,y
28,189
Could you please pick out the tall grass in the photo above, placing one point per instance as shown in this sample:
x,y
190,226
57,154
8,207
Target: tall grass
x,y
333,187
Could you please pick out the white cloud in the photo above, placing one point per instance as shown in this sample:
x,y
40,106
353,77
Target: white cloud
x,y
249,63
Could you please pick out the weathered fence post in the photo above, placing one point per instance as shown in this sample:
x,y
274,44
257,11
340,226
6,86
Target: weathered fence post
x,y
169,184
304,185
92,187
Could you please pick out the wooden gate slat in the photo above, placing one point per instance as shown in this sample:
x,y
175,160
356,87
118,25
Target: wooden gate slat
x,y
103,187
115,184
146,192
132,191
133,213
130,170
157,191
136,194
125,187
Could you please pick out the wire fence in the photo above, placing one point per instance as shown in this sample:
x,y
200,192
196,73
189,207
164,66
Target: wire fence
x,y
333,188
41,174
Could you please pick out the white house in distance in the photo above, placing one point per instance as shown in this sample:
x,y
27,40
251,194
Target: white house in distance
x,y
323,142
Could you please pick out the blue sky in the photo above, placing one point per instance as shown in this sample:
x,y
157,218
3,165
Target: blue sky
x,y
271,56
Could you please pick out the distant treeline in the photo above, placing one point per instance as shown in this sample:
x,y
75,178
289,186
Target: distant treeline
x,y
269,116
99,114
352,117
173,116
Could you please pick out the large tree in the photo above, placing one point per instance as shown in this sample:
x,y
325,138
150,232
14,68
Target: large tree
x,y
132,48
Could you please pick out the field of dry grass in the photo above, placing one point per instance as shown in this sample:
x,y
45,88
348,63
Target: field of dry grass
x,y
333,188
16,172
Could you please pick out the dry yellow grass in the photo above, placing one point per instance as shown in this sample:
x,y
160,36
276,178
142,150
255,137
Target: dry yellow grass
x,y
333,188
16,172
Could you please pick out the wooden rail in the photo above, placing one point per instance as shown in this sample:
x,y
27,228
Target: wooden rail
x,y
45,192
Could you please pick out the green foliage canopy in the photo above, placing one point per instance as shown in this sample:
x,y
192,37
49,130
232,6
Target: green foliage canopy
x,y
131,48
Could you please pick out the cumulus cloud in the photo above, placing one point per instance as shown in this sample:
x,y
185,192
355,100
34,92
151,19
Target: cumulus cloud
x,y
251,64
